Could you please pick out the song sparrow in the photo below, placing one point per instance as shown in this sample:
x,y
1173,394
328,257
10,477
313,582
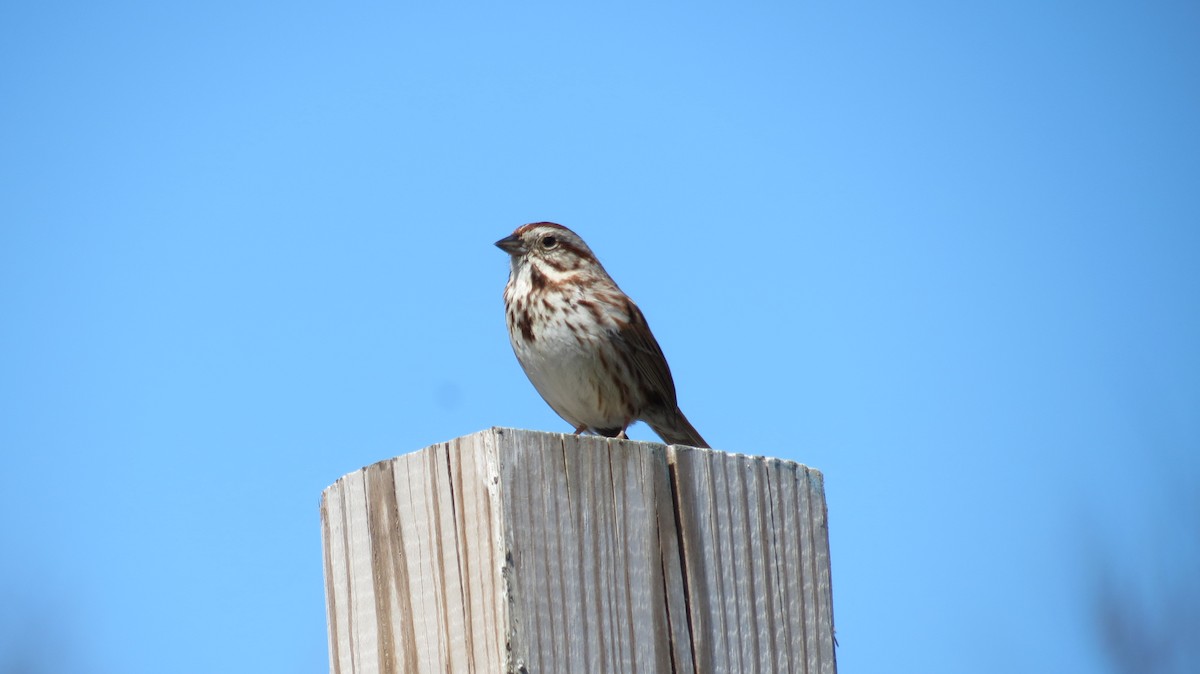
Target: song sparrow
x,y
582,342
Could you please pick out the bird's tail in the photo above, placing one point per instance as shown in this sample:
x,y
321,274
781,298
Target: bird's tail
x,y
675,429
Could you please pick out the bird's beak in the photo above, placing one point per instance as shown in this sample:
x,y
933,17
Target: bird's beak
x,y
511,244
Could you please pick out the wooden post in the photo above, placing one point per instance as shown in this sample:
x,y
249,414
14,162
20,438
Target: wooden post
x,y
540,553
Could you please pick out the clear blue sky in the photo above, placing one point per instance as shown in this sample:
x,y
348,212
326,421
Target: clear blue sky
x,y
947,253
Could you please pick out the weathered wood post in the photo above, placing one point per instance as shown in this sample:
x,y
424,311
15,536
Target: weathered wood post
x,y
540,553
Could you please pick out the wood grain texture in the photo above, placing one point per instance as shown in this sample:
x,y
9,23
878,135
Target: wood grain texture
x,y
520,551
756,556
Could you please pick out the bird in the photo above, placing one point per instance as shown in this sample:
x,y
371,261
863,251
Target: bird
x,y
583,343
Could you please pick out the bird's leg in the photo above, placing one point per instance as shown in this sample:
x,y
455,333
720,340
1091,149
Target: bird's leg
x,y
621,435
580,430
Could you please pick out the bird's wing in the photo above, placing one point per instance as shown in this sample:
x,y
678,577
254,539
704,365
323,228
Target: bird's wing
x,y
646,356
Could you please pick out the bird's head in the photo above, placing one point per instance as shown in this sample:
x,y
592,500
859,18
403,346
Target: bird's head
x,y
549,247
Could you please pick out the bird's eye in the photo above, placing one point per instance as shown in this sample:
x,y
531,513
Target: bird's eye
x,y
549,242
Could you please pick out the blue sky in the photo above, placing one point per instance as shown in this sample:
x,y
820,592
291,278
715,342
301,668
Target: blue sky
x,y
947,253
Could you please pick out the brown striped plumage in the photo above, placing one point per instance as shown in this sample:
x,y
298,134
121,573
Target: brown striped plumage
x,y
583,343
